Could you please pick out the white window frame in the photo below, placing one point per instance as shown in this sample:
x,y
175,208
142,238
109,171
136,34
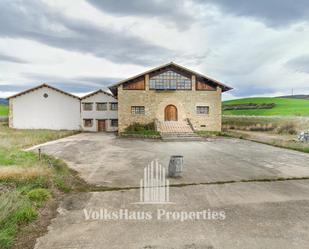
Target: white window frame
x,y
199,107
138,107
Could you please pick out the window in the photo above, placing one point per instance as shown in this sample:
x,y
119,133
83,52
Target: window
x,y
202,109
139,110
170,80
101,106
87,106
114,122
88,122
114,106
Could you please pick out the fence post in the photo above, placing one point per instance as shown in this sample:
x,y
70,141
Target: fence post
x,y
39,154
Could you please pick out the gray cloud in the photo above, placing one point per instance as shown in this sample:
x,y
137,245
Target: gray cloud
x,y
246,90
9,58
299,64
106,81
34,20
275,13
75,84
172,11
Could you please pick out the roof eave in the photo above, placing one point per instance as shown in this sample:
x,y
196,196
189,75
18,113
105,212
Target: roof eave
x,y
40,86
223,86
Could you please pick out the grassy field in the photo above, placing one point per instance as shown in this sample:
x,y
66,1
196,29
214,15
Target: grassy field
x,y
4,110
27,182
279,131
283,107
264,123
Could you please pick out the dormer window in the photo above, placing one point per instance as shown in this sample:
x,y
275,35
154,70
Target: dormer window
x,y
170,80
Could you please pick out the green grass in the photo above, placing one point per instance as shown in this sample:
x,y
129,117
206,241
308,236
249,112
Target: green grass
x,y
247,122
16,209
39,195
142,132
283,107
28,182
4,110
20,139
209,133
16,157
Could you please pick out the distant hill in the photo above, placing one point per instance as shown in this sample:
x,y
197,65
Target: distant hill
x,y
295,97
3,101
267,107
4,110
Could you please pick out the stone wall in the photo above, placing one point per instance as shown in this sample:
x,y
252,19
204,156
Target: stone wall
x,y
155,103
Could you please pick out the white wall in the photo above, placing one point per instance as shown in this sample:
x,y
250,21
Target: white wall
x,y
95,115
57,112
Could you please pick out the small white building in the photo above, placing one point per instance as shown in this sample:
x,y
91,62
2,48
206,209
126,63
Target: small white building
x,y
46,107
99,112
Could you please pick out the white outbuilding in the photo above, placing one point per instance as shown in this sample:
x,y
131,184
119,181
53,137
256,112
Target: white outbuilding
x,y
47,107
44,107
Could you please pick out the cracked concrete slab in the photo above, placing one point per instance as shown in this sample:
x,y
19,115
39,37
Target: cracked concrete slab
x,y
102,159
257,215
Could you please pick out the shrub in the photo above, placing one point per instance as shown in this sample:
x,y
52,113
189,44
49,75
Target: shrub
x,y
249,106
262,127
140,127
288,128
25,215
39,195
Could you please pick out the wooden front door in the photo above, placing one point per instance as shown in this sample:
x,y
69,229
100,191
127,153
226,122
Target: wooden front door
x,y
170,113
101,125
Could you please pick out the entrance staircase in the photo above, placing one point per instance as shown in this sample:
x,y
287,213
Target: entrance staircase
x,y
177,130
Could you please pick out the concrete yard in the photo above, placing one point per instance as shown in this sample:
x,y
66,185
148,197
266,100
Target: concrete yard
x,y
262,214
103,159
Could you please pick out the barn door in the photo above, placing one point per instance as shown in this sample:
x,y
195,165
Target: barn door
x,y
170,113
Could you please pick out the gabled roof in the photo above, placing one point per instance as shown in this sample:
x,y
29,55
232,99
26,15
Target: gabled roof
x,y
96,92
224,87
41,86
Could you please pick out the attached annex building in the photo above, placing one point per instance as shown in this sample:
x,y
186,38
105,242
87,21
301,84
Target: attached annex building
x,y
169,95
47,107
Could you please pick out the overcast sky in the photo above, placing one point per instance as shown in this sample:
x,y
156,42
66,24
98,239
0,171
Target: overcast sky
x,y
260,48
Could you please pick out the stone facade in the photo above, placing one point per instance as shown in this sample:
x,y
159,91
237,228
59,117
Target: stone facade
x,y
155,102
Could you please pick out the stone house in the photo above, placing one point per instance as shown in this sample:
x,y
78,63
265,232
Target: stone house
x,y
172,96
